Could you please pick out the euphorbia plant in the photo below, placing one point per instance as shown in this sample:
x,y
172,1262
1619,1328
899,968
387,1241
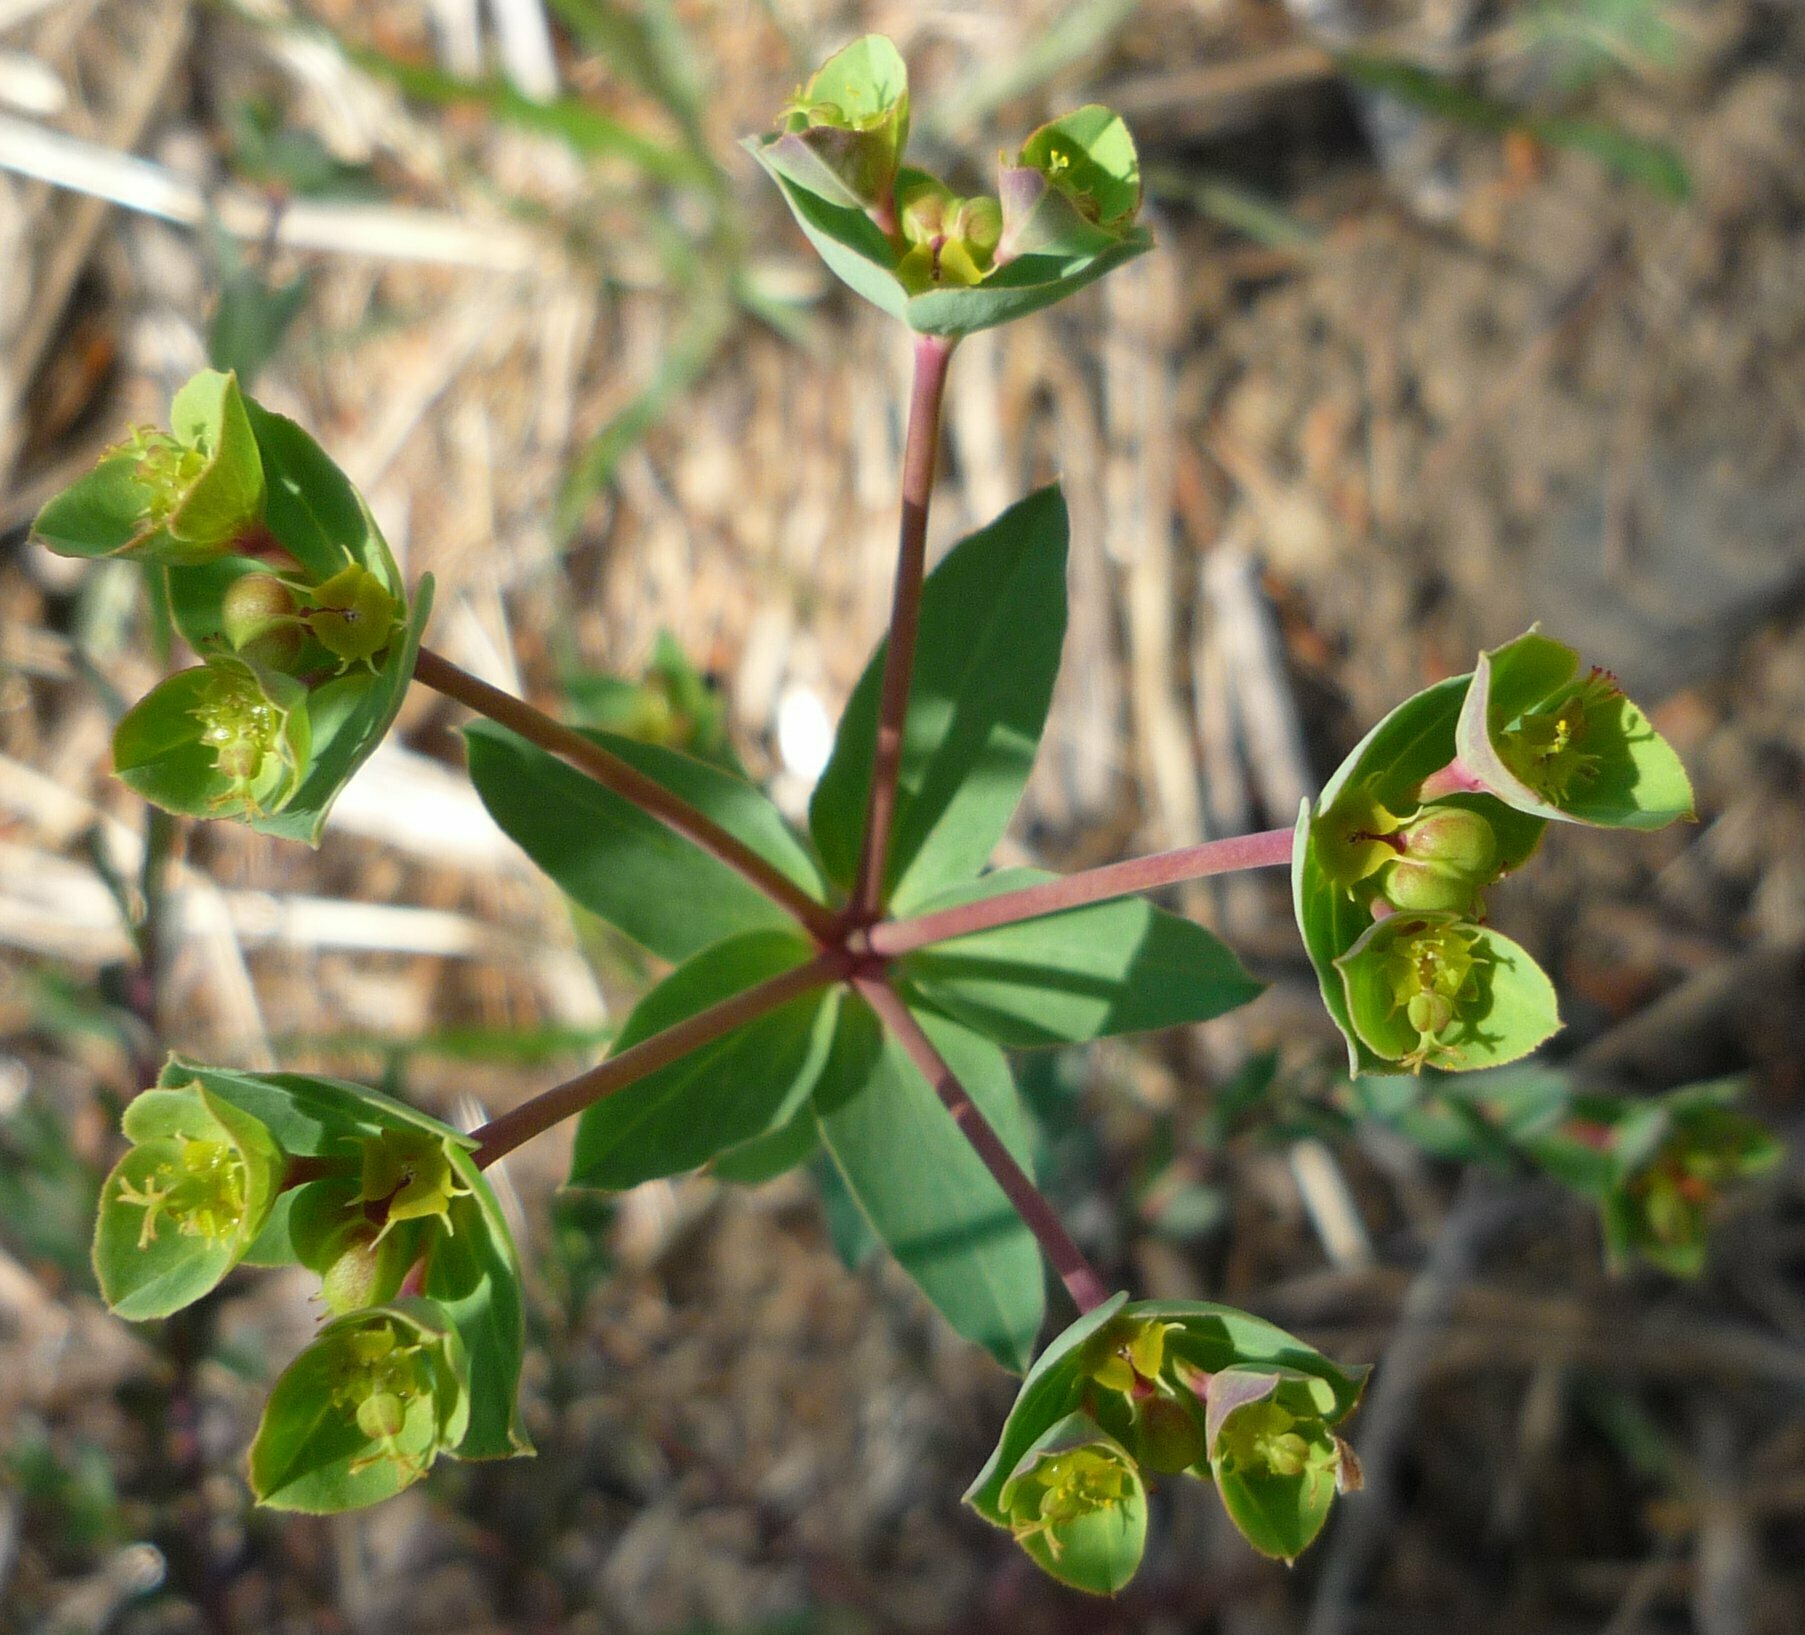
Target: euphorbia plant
x,y
850,992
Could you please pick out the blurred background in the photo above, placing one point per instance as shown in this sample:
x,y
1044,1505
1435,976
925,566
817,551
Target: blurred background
x,y
1466,313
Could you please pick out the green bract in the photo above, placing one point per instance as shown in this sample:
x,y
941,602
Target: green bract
x,y
1433,990
178,497
900,238
1074,189
1077,1504
364,1411
1557,743
1277,1464
843,132
227,739
1132,1386
184,1205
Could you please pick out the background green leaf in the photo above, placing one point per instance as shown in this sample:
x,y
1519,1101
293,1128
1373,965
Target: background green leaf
x,y
992,624
620,862
1120,967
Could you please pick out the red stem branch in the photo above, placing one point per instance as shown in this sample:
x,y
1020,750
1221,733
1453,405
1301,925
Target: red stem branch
x,y
1266,849
501,1136
1086,1288
628,782
932,355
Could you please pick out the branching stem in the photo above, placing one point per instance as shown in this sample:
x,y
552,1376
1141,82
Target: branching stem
x,y
1086,1288
1267,849
501,1136
932,355
629,782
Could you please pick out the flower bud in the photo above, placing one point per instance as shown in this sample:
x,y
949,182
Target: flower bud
x,y
952,240
1446,856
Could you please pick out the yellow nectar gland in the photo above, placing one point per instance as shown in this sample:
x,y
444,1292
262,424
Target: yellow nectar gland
x,y
1125,1349
205,1196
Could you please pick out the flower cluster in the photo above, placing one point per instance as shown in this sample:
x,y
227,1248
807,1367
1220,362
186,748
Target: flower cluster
x,y
1447,795
293,606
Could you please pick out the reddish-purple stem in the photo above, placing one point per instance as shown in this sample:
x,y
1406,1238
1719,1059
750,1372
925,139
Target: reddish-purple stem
x,y
629,782
502,1135
932,354
1267,849
1086,1288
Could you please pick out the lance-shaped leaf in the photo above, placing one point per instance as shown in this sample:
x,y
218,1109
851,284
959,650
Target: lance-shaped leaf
x,y
225,739
844,131
917,1181
745,1085
1078,1505
1074,189
1432,990
364,1411
1110,968
1549,740
185,1203
992,624
623,864
1277,1464
181,496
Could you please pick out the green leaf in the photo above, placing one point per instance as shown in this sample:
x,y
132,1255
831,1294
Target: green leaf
x,y
744,1085
1499,1004
766,1157
1074,190
209,413
363,1412
623,864
1120,967
474,1276
992,623
925,1192
1560,746
845,130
